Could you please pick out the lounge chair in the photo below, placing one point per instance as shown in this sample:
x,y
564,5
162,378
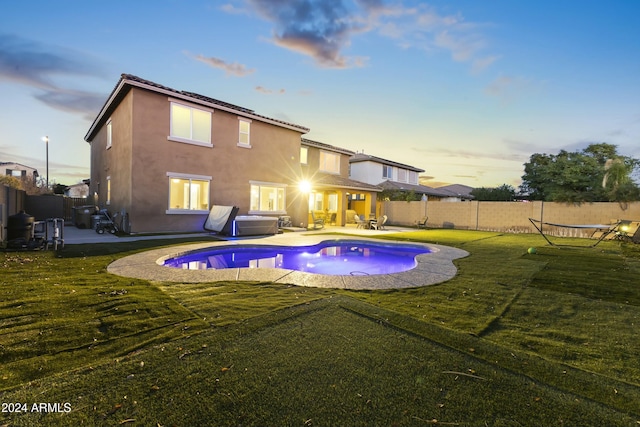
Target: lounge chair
x,y
628,231
604,230
318,223
423,222
360,223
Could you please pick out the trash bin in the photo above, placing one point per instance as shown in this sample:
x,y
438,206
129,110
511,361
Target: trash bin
x,y
83,216
20,226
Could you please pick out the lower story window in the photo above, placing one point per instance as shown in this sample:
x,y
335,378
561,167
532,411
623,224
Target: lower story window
x,y
267,198
188,193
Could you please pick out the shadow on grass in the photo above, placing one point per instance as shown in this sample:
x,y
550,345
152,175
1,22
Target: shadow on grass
x,y
336,361
101,249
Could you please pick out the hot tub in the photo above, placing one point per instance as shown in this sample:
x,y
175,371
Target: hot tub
x,y
253,225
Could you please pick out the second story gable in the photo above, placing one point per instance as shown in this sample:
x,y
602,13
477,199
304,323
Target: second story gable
x,y
182,116
318,157
375,170
18,170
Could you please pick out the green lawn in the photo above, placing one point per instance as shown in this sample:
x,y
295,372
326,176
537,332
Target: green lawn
x,y
514,339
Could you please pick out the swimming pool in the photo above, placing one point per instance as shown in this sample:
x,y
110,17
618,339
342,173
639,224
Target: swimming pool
x,y
337,258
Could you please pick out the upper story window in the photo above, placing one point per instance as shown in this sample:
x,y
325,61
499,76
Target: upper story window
x,y
402,175
244,133
191,125
413,177
329,162
304,153
387,171
109,134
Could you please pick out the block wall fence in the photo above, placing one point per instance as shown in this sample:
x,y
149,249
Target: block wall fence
x,y
509,217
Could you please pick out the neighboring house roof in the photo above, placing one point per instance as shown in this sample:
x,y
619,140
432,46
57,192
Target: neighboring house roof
x,y
323,146
418,189
457,190
127,81
338,181
361,157
17,166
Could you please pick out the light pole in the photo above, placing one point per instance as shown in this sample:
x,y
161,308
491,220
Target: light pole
x,y
46,140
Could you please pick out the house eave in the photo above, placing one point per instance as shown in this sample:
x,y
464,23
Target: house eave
x,y
120,89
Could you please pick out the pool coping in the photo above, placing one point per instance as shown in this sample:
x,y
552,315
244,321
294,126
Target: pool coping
x,y
432,268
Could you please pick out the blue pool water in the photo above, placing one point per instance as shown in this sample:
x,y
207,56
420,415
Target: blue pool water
x,y
337,258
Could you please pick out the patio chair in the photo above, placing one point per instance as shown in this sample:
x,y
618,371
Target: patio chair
x,y
332,221
423,222
379,223
628,231
360,222
318,223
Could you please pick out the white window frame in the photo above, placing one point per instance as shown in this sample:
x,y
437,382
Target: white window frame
x,y
192,107
402,175
413,177
324,156
109,134
387,172
268,184
304,158
240,133
177,175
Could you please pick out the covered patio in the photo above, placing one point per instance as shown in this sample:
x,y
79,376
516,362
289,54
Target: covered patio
x,y
336,200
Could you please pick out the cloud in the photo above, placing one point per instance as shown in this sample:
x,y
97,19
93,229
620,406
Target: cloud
x,y
508,88
73,101
324,30
315,28
232,9
461,153
230,69
266,91
36,65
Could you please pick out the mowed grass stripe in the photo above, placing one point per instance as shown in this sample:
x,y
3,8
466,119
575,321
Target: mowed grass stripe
x,y
330,362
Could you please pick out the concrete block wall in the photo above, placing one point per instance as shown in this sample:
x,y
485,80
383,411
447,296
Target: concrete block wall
x,y
510,217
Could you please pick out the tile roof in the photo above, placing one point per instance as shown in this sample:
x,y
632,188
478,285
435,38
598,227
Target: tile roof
x,y
419,189
324,146
457,190
361,157
129,80
328,180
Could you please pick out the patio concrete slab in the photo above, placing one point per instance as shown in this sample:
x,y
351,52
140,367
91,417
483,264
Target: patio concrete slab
x,y
432,268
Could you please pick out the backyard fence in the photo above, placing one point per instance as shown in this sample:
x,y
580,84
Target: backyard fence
x,y
509,217
54,206
11,202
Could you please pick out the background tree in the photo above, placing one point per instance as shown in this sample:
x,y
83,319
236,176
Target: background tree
x,y
504,193
577,177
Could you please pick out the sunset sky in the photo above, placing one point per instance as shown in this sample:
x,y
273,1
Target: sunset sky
x,y
466,90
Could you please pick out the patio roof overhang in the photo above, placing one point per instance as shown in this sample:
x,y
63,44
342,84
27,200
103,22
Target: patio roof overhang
x,y
327,181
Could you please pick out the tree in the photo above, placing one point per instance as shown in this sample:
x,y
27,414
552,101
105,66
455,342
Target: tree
x,y
577,177
11,182
504,193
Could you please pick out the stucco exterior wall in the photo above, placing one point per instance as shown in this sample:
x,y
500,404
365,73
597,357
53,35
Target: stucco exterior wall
x,y
114,162
368,172
142,155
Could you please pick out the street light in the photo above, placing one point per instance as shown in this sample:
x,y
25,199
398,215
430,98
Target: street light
x,y
46,140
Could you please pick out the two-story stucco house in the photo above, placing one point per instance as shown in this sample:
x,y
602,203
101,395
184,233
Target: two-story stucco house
x,y
164,157
333,195
391,175
18,170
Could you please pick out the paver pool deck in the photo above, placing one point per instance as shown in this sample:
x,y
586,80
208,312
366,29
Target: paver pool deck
x,y
432,268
